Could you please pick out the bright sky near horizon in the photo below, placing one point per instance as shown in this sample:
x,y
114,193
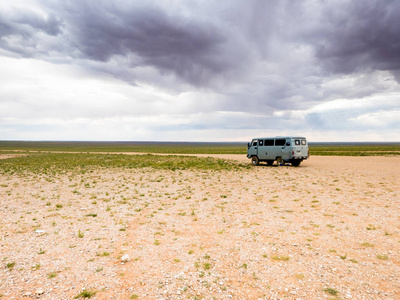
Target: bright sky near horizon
x,y
199,70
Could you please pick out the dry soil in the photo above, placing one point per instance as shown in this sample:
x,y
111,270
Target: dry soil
x,y
325,230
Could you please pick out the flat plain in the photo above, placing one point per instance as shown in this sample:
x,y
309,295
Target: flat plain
x,y
210,227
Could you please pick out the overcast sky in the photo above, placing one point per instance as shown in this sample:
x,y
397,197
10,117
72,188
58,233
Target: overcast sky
x,y
199,70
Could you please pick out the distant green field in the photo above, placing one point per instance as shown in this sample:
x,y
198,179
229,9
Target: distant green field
x,y
56,163
324,149
141,147
355,149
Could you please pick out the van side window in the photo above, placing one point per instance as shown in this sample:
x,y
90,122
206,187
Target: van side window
x,y
260,142
297,142
254,143
268,142
280,142
303,142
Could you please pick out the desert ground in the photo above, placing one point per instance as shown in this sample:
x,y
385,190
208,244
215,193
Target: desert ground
x,y
329,229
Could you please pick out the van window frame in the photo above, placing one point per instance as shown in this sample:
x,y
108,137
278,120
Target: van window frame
x,y
280,141
269,142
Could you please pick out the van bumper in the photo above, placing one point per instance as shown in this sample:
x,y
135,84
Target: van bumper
x,y
299,157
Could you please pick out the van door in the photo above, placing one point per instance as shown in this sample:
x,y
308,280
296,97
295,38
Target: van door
x,y
279,148
287,150
253,150
262,154
269,149
301,148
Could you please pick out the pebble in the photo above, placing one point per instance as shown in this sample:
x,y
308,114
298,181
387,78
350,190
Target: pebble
x,y
39,292
125,258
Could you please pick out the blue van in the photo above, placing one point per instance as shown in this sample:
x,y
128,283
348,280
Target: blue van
x,y
291,150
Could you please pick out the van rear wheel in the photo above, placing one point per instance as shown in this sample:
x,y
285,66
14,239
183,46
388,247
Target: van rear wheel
x,y
295,162
255,161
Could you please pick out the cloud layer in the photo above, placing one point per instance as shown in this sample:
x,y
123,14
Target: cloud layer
x,y
174,70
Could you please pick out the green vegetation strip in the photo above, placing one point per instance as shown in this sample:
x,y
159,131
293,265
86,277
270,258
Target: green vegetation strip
x,y
356,150
142,147
320,149
64,162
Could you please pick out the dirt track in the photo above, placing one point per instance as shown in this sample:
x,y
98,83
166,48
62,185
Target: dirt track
x,y
329,227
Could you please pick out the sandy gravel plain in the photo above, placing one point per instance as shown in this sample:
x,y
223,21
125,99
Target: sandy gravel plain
x,y
329,229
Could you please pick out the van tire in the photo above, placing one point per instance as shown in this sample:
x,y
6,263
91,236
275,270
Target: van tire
x,y
255,161
295,162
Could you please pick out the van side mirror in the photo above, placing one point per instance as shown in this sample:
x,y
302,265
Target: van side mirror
x,y
248,145
287,143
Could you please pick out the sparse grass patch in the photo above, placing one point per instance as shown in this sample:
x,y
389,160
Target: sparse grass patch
x,y
51,275
280,257
86,294
91,215
331,291
382,256
11,265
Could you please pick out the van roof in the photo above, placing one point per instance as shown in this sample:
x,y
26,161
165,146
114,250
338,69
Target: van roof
x,y
280,137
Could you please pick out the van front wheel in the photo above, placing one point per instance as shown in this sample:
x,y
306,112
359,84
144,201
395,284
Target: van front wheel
x,y
255,161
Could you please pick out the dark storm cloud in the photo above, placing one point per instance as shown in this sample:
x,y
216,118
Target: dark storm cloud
x,y
347,36
148,32
19,30
147,36
359,35
220,45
